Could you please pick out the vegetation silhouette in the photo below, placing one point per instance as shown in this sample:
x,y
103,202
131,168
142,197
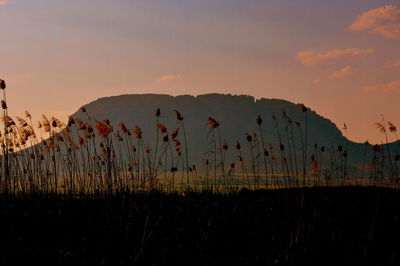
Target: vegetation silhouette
x,y
93,192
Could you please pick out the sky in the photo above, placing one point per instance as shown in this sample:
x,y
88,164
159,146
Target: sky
x,y
340,58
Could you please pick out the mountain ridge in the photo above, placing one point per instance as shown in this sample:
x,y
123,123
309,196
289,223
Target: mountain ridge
x,y
236,115
210,98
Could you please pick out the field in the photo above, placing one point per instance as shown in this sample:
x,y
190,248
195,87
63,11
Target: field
x,y
321,225
94,193
87,156
212,132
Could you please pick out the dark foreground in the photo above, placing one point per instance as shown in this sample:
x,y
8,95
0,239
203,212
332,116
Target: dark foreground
x,y
319,226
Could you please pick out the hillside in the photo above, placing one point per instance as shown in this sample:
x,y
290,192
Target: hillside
x,y
236,116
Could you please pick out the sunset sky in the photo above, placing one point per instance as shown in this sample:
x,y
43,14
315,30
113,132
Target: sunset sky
x,y
341,58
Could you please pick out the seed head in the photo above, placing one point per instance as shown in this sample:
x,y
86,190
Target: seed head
x,y
225,146
174,133
259,120
381,127
3,104
237,146
71,121
303,108
161,128
177,142
2,84
123,127
103,129
54,122
165,138
137,132
212,123
392,128
178,115
249,138
314,164
107,122
28,115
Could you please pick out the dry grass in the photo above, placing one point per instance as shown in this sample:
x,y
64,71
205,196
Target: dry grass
x,y
89,156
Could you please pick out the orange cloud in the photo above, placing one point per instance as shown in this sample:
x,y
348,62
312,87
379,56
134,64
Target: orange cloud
x,y
312,57
383,88
395,64
374,17
346,71
390,31
168,77
316,81
3,3
380,21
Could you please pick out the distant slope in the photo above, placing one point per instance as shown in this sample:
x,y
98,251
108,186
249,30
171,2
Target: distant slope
x,y
236,115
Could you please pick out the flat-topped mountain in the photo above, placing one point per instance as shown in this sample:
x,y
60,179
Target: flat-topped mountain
x,y
236,115
283,123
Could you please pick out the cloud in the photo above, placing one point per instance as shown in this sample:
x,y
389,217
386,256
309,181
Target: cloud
x,y
312,57
3,3
316,81
373,17
394,64
168,77
341,73
381,21
346,71
384,88
390,31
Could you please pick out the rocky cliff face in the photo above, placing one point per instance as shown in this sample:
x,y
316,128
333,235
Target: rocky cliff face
x,y
236,116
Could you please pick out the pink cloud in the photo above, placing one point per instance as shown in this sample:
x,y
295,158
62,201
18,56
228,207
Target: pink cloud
x,y
316,81
384,88
395,64
346,71
390,31
3,3
168,77
381,21
373,17
312,57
